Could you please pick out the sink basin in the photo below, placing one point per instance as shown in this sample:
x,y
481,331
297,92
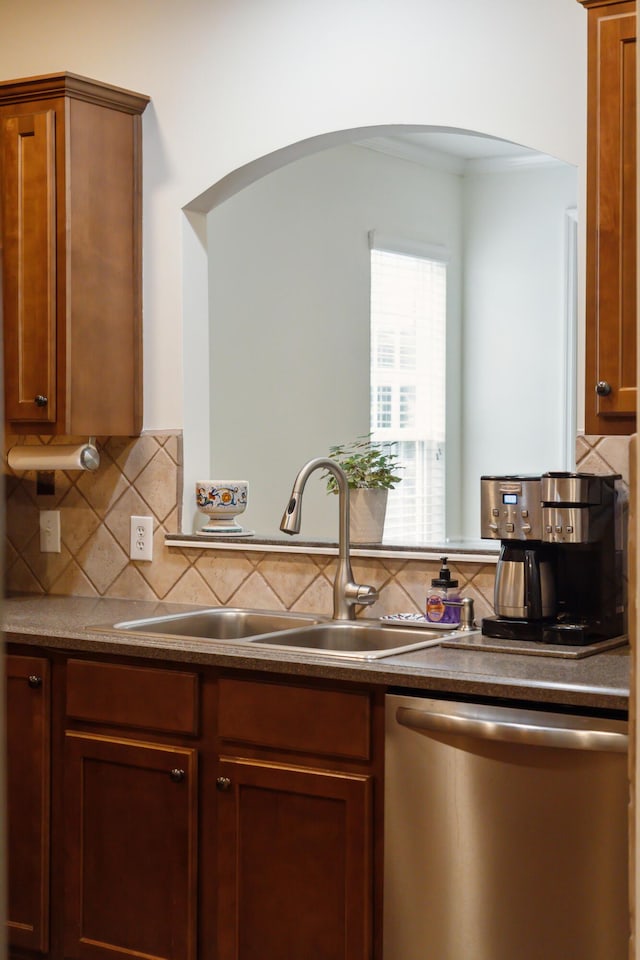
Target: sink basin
x,y
361,641
219,623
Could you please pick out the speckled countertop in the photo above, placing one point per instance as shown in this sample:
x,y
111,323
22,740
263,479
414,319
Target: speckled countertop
x,y
63,623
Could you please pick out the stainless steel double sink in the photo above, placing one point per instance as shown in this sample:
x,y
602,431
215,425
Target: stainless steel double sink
x,y
360,640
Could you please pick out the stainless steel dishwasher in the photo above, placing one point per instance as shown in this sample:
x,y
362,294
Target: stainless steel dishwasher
x,y
505,834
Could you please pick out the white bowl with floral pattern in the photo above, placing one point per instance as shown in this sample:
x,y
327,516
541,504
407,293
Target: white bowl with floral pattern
x,y
222,501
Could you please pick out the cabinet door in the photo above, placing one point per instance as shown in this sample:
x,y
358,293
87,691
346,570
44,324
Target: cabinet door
x,y
130,841
611,248
28,808
294,854
28,201
70,193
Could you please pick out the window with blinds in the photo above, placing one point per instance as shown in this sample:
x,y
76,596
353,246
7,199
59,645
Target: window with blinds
x,y
408,355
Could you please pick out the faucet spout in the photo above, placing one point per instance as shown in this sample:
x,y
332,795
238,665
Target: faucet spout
x,y
346,593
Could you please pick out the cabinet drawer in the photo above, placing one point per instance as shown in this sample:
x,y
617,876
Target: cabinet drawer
x,y
122,695
322,722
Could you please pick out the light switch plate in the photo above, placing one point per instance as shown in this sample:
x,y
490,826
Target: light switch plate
x,y
49,531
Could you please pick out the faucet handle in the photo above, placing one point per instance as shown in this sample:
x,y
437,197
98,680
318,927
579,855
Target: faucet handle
x,y
361,593
366,595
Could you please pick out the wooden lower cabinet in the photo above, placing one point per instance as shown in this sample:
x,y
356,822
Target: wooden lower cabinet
x,y
28,733
294,854
298,813
131,849
176,813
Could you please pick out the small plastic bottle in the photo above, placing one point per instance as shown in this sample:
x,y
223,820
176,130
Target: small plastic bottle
x,y
443,588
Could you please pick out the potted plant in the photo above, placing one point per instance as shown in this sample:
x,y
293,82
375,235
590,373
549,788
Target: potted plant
x,y
371,469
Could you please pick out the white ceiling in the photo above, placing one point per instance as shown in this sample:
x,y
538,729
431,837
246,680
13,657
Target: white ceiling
x,y
456,151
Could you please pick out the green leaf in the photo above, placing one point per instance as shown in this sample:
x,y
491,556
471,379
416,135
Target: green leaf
x,y
367,464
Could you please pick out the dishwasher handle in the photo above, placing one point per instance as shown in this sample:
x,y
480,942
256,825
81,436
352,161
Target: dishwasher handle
x,y
502,728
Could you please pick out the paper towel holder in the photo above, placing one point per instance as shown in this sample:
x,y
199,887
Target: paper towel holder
x,y
79,456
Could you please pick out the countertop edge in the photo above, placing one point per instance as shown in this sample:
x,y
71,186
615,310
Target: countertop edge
x,y
419,671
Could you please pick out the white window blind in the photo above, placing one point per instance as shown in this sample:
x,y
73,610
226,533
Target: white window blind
x,y
408,359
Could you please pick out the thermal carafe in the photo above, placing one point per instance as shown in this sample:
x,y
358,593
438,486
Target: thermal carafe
x,y
524,588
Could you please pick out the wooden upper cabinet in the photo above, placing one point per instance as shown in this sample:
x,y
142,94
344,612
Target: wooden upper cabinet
x,y
611,374
70,193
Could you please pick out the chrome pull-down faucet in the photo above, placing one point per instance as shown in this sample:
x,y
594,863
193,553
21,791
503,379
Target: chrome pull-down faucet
x,y
346,593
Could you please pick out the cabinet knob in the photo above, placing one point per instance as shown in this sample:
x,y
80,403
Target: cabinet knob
x,y
603,389
40,401
223,784
177,775
34,681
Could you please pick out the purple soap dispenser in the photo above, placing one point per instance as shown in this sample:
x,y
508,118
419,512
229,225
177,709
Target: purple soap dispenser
x,y
443,588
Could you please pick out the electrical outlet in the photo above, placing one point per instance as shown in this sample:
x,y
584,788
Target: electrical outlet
x,y
49,531
141,543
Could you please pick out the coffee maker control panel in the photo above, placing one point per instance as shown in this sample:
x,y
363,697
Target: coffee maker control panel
x,y
510,508
566,524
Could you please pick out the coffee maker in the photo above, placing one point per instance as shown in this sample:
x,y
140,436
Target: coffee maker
x,y
559,575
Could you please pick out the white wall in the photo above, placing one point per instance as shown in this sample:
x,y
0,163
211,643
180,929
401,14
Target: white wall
x,y
289,303
514,291
289,309
233,81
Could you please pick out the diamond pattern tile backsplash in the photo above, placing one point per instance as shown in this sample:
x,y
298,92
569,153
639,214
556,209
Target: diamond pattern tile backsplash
x,y
143,477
